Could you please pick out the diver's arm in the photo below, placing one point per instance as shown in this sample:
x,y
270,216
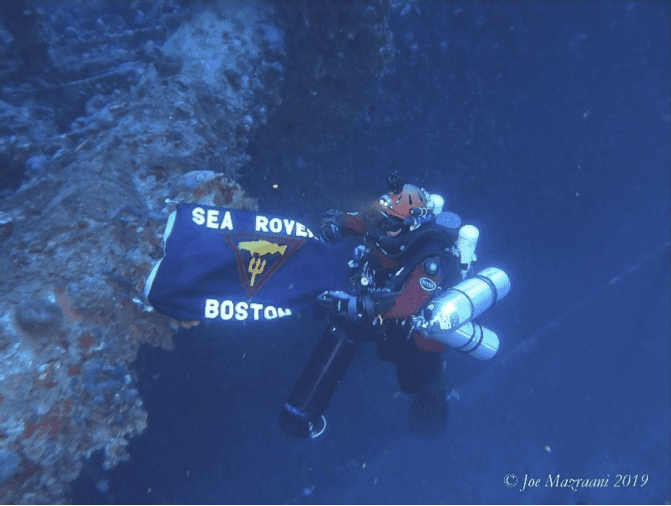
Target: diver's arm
x,y
352,224
339,223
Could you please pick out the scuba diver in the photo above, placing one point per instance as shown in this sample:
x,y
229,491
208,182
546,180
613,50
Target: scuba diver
x,y
411,254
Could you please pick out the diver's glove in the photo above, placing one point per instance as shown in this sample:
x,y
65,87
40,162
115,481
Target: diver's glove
x,y
329,228
358,308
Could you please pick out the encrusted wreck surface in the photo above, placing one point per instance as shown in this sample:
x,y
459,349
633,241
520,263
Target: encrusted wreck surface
x,y
80,234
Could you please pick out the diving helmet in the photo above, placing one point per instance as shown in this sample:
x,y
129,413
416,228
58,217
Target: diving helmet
x,y
403,204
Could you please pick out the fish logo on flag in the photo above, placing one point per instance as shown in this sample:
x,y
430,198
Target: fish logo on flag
x,y
258,259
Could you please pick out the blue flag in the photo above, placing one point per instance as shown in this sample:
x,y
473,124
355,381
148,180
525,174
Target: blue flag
x,y
231,265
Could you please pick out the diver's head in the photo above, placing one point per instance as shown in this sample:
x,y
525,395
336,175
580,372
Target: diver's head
x,y
401,206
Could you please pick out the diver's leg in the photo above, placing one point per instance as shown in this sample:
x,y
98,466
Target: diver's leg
x,y
421,373
411,368
391,342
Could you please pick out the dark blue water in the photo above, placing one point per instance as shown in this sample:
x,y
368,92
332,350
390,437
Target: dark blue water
x,y
547,126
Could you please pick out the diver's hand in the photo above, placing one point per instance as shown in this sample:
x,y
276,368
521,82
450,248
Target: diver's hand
x,y
329,229
381,299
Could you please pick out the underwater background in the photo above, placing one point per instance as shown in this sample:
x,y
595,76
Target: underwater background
x,y
547,125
